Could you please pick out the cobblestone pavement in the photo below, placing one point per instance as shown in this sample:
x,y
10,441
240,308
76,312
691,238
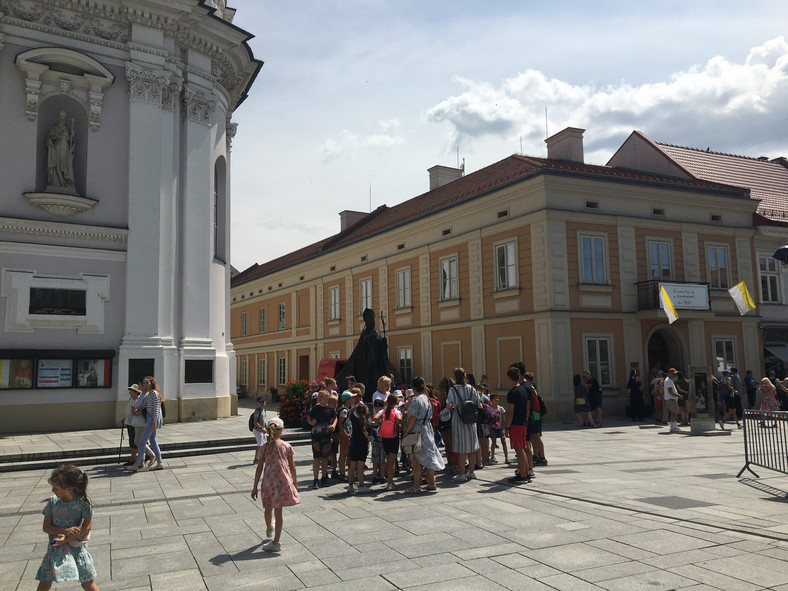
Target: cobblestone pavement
x,y
618,508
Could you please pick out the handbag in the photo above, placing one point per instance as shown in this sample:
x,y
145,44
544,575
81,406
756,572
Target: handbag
x,y
580,401
411,443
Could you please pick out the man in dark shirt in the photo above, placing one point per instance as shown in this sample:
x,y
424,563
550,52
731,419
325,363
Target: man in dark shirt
x,y
519,408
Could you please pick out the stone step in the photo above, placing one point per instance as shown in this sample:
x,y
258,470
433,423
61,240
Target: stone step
x,y
88,457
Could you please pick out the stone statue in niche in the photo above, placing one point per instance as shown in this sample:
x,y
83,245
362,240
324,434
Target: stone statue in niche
x,y
60,157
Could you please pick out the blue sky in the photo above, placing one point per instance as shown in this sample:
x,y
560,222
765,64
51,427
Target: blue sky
x,y
360,98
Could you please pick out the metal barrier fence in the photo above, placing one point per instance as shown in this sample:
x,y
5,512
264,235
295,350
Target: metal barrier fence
x,y
765,441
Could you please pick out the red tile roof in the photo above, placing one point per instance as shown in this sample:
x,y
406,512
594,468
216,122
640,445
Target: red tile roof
x,y
515,168
766,179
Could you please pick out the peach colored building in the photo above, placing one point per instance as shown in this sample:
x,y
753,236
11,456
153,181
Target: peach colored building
x,y
546,260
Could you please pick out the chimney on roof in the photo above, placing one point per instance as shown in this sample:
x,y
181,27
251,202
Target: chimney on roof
x,y
347,218
567,144
441,175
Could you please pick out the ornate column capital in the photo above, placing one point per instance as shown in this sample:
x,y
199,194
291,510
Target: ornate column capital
x,y
170,95
197,105
231,129
146,85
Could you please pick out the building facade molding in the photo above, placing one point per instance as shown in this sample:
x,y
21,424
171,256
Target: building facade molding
x,y
62,230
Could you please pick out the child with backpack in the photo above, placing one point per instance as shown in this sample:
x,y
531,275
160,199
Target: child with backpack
x,y
497,430
280,483
389,420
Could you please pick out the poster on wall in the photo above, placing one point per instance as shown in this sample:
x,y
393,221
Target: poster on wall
x,y
93,373
55,373
16,374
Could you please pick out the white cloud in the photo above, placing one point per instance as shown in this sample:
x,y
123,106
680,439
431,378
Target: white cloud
x,y
350,144
714,101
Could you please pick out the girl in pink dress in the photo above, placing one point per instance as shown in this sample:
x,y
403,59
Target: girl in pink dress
x,y
280,484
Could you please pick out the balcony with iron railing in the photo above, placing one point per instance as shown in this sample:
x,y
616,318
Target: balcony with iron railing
x,y
648,294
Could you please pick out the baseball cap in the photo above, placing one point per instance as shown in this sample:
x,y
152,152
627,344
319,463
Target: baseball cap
x,y
345,395
726,371
261,399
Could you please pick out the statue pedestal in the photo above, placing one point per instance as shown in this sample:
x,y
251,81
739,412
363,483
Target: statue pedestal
x,y
705,426
61,204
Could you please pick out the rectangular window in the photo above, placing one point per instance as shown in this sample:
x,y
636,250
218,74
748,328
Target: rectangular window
x,y
244,372
282,371
592,260
282,316
333,303
718,266
243,324
659,260
505,266
403,288
597,359
723,353
261,320
365,294
405,363
449,290
261,371
770,279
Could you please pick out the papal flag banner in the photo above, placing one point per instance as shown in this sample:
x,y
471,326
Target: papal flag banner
x,y
742,298
667,305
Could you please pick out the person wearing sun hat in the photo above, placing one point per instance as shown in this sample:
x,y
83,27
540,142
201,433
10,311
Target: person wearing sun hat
x,y
280,482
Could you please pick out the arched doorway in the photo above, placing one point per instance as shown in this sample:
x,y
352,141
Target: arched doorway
x,y
665,350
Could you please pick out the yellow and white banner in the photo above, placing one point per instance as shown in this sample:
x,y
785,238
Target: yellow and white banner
x,y
742,298
667,305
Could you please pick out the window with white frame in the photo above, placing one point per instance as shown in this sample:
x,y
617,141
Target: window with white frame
x,y
333,303
405,363
505,266
402,280
261,367
282,316
724,349
717,257
260,320
659,260
770,279
244,372
449,289
243,324
282,373
365,294
597,352
592,259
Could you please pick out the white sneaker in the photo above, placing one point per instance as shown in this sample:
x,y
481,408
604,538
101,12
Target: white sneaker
x,y
390,486
352,488
459,478
364,488
471,476
272,547
269,533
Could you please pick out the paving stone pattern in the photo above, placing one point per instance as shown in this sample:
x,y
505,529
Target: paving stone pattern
x,y
618,508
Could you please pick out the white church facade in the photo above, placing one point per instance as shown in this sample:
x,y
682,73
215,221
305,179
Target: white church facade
x,y
114,207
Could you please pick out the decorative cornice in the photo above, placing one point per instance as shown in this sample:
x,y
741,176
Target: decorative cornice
x,y
89,22
197,105
146,85
62,230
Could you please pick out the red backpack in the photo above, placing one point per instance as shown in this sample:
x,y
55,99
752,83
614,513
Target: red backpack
x,y
436,412
388,427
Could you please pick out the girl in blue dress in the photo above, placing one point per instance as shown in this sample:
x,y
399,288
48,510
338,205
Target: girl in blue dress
x,y
68,517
